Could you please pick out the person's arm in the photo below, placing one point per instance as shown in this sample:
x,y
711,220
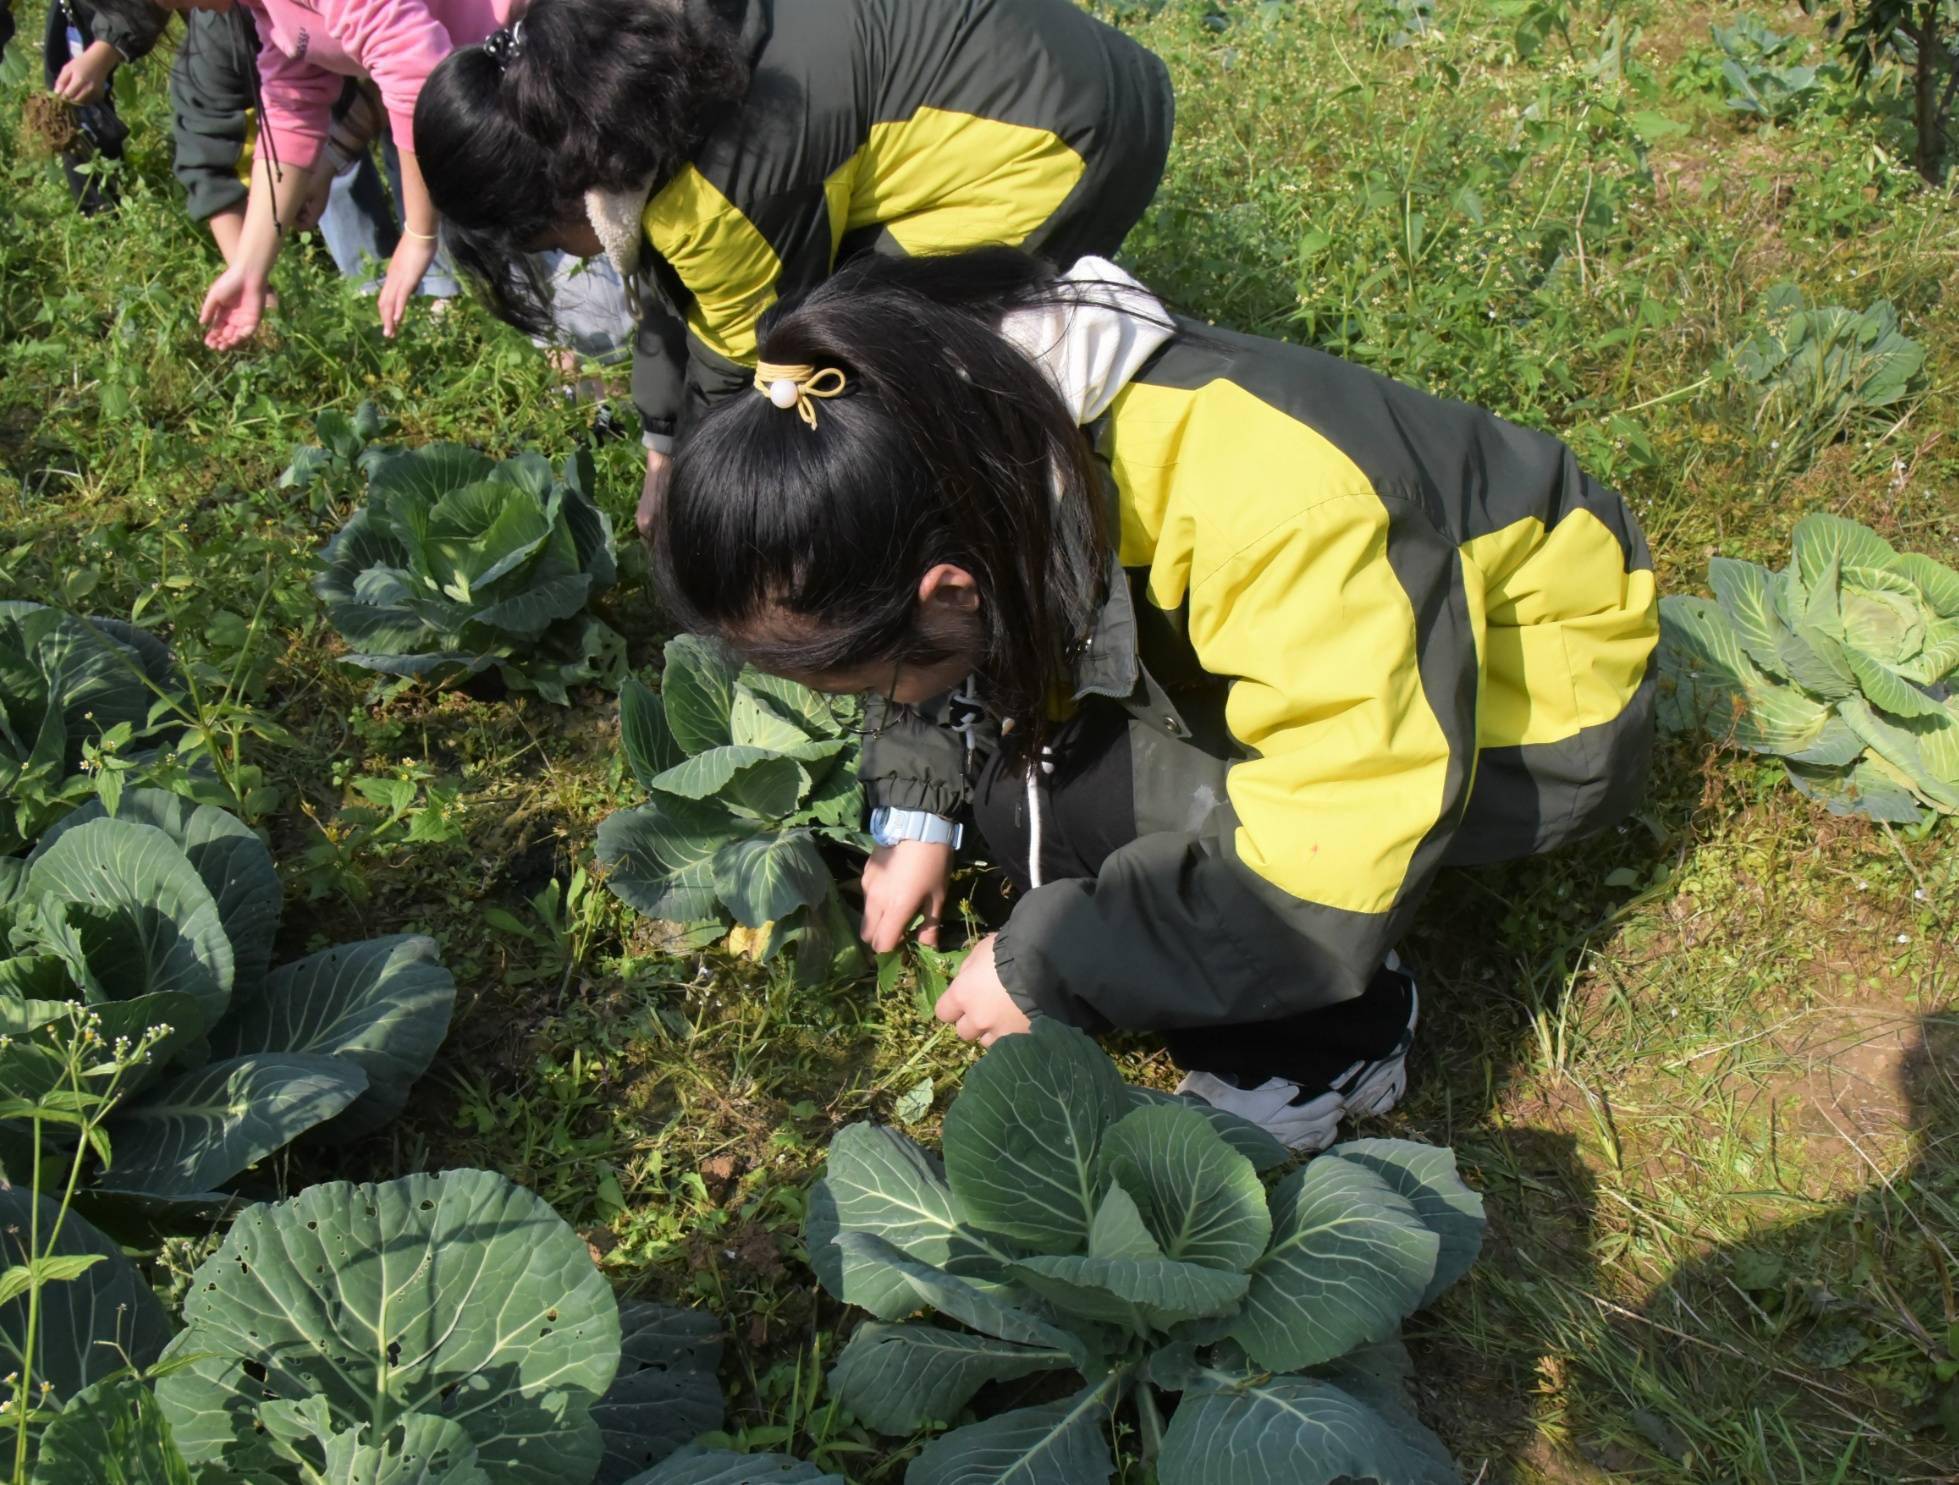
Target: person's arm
x,y
235,302
227,227
132,31
399,43
659,382
910,761
416,250
1354,692
298,100
83,79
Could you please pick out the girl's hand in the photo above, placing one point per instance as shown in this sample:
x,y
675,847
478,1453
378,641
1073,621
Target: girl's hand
x,y
81,82
233,307
976,1004
900,882
412,258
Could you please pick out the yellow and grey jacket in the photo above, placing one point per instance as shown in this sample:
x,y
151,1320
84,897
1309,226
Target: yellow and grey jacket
x,y
893,125
1360,632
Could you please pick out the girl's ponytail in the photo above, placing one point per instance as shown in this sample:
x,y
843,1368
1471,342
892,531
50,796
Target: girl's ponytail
x,y
805,545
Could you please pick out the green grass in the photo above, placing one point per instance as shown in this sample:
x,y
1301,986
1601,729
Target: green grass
x,y
1702,1067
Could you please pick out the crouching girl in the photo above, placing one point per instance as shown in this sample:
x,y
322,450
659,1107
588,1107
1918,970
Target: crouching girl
x,y
1266,639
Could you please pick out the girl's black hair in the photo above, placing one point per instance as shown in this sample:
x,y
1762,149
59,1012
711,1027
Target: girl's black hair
x,y
804,547
595,95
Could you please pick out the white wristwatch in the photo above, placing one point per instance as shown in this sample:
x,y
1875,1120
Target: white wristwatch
x,y
889,826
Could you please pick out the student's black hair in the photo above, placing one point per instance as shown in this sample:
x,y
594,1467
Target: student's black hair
x,y
803,548
593,95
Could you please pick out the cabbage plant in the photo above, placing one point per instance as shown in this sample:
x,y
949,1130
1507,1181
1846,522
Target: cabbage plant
x,y
459,563
69,684
165,915
747,777
449,1324
448,1329
1843,665
1080,1226
1815,372
1761,69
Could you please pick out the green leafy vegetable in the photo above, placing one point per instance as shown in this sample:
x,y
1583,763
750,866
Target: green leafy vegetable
x,y
1841,665
748,777
447,1327
1759,67
112,1433
1816,373
458,563
1130,1240
165,914
70,686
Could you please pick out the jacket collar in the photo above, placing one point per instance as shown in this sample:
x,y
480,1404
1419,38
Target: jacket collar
x,y
618,216
1106,662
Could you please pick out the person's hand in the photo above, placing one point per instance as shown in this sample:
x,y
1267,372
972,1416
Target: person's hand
x,y
233,307
659,470
900,882
81,82
976,1004
412,258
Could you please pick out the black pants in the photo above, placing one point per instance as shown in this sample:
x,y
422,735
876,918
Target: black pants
x,y
103,126
1088,811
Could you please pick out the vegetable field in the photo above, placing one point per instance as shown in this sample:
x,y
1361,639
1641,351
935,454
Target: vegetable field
x,y
479,925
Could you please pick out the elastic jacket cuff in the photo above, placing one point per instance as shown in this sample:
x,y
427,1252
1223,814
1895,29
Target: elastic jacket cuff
x,y
1014,974
945,797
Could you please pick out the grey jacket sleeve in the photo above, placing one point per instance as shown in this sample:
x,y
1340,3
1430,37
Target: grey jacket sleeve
x,y
210,98
660,362
912,760
134,35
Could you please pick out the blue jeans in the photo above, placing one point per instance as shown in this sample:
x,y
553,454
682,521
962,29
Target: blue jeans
x,y
359,225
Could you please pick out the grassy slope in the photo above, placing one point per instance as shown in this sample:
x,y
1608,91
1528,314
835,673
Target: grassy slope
x,y
1685,1062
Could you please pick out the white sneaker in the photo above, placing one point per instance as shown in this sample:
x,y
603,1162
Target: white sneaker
x,y
1305,1122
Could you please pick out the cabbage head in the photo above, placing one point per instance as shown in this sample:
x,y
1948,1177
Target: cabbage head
x,y
748,779
1842,665
459,563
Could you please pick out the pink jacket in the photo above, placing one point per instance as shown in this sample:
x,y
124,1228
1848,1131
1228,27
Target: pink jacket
x,y
306,48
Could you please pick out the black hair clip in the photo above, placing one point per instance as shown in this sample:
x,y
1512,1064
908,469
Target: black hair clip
x,y
505,44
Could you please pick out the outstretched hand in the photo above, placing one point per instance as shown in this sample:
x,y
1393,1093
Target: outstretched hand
x,y
233,307
411,260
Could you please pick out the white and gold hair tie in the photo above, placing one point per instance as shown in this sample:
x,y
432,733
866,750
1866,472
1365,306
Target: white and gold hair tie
x,y
794,386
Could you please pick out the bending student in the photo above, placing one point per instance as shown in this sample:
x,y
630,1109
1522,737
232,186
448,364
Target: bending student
x,y
1267,639
725,153
307,51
